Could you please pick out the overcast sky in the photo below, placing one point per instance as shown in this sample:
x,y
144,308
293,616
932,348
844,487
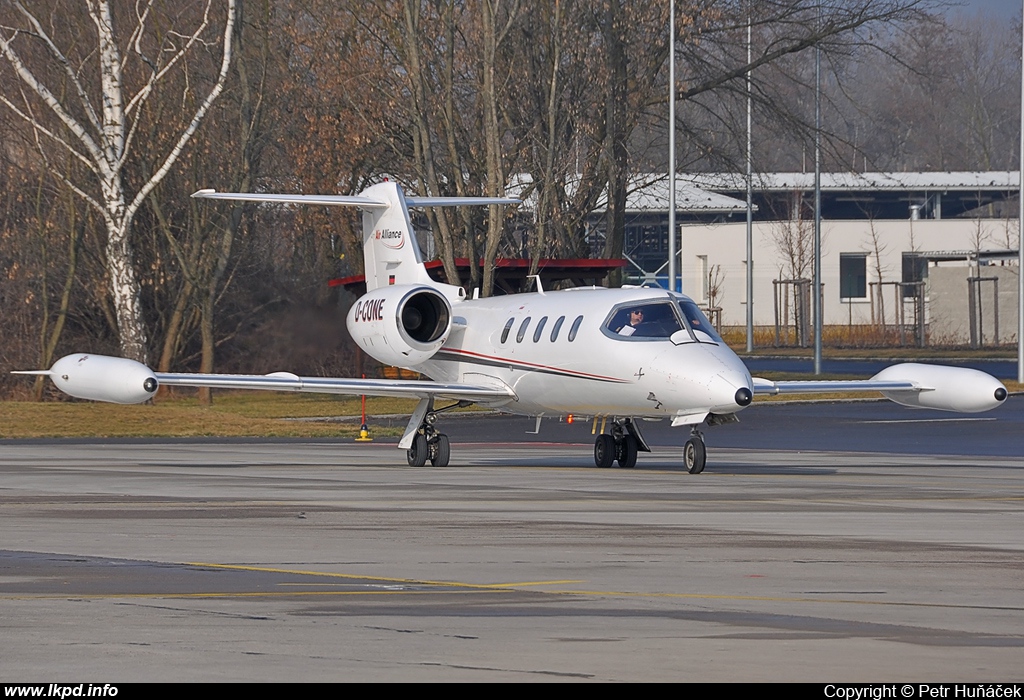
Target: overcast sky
x,y
1003,8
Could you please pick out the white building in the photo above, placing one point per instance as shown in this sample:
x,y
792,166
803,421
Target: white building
x,y
881,232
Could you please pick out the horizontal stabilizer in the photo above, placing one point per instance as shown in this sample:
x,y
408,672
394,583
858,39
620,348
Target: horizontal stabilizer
x,y
331,200
458,201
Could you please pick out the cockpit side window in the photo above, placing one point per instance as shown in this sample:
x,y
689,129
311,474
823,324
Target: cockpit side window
x,y
700,324
643,320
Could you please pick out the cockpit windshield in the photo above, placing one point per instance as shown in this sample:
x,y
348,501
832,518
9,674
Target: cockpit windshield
x,y
699,323
644,320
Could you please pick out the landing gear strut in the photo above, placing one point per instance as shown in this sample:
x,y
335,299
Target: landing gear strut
x,y
428,442
621,446
695,455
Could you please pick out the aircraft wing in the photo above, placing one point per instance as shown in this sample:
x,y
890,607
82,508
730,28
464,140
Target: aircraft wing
x,y
959,389
285,381
120,380
771,388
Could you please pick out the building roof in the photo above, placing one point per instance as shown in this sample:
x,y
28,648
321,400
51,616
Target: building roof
x,y
651,193
511,273
1002,180
648,192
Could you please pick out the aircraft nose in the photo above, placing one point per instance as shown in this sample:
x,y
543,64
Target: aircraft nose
x,y
744,396
730,391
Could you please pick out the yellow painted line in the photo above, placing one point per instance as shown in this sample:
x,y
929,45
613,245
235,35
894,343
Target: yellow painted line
x,y
385,579
240,594
518,584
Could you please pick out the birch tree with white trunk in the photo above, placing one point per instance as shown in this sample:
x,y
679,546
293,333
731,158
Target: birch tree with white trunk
x,y
86,104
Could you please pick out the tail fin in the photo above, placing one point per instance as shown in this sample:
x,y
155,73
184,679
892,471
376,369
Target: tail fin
x,y
391,254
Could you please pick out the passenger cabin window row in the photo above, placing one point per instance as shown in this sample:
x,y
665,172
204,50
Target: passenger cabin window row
x,y
539,330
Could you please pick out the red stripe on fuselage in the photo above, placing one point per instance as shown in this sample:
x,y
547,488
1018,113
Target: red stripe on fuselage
x,y
494,358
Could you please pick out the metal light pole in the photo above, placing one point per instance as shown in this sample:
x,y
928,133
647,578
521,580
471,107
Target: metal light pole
x,y
750,204
816,287
1020,232
672,145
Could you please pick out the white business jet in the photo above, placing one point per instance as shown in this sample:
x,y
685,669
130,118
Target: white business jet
x,y
616,356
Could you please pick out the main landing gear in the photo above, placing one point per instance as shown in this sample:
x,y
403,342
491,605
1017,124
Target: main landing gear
x,y
621,446
429,443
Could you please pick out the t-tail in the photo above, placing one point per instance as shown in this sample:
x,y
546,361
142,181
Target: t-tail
x,y
391,253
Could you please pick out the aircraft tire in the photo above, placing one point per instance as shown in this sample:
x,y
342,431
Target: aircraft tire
x,y
604,451
417,454
441,452
625,452
695,455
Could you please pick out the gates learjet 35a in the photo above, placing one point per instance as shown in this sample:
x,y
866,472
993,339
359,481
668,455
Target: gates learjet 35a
x,y
616,355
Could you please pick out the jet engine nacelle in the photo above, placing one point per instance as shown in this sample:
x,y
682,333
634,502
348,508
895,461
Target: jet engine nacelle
x,y
944,388
103,378
401,325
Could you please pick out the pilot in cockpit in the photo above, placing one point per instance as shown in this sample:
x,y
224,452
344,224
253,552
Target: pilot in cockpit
x,y
636,317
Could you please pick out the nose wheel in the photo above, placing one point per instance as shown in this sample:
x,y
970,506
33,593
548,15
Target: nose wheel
x,y
695,455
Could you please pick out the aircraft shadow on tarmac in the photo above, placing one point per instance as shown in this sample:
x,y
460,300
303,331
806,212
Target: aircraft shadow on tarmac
x,y
659,463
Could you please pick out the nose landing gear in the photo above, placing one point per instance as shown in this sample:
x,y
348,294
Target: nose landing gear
x,y
695,455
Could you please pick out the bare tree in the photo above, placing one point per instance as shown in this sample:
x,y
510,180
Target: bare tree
x,y
85,81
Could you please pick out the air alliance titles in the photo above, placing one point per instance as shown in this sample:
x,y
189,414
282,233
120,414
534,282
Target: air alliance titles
x,y
390,237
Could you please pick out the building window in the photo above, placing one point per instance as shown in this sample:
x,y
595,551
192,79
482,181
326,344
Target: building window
x,y
915,269
705,281
853,276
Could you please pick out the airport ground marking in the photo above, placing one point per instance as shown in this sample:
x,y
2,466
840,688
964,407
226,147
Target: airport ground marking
x,y
486,589
406,581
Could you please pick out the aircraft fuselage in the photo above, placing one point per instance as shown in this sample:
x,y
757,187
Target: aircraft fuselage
x,y
568,358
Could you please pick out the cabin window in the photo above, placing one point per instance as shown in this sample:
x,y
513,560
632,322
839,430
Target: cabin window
x,y
558,327
522,329
508,327
540,329
575,327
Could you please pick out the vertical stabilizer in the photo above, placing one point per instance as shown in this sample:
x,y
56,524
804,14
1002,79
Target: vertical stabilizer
x,y
391,254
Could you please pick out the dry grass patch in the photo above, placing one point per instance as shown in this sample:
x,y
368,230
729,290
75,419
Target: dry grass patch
x,y
235,414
